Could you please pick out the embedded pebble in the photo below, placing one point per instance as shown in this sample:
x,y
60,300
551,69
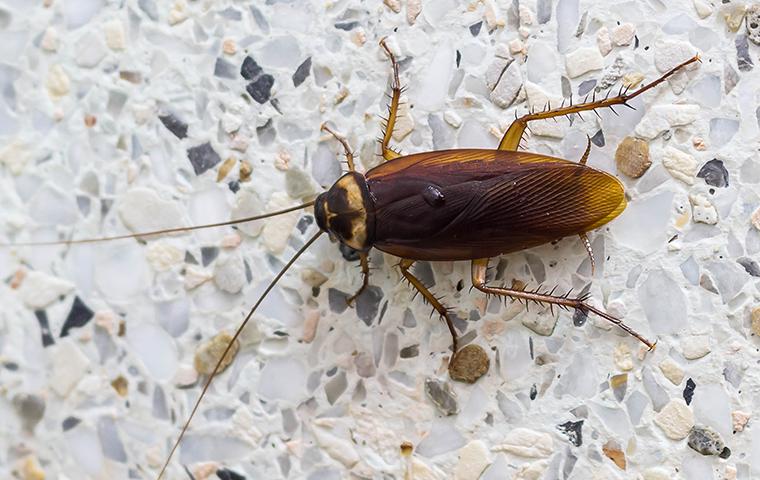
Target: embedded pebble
x,y
632,157
743,59
473,459
442,396
753,24
714,173
527,443
583,60
90,51
623,358
70,365
755,219
203,158
703,7
613,451
672,371
229,274
702,210
755,320
163,256
675,419
603,41
38,290
707,441
469,364
739,420
115,35
208,353
413,10
58,82
660,118
30,469
623,34
542,324
505,92
695,346
143,210
31,409
573,430
680,165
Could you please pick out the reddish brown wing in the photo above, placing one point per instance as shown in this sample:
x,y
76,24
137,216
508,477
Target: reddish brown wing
x,y
467,204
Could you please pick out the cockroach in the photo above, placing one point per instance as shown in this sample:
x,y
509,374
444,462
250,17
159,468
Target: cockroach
x,y
453,205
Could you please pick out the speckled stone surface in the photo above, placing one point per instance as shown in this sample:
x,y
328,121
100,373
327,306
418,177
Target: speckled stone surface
x,y
127,116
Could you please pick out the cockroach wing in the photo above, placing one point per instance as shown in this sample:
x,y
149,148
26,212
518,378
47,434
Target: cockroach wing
x,y
468,204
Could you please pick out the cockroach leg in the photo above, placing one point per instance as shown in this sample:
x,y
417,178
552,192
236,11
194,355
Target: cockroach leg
x,y
479,281
390,121
584,158
587,244
511,139
364,260
346,146
437,305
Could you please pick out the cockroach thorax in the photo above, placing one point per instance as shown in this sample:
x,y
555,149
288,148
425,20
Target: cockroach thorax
x,y
346,211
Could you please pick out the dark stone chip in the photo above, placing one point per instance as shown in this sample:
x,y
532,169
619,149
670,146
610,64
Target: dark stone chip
x,y
725,453
346,25
348,253
224,69
598,139
688,391
69,423
533,392
302,72
261,88
368,304
174,125
234,186
579,317
190,259
750,266
266,133
459,58
47,337
574,431
410,351
743,59
475,28
250,69
337,300
586,86
304,223
203,157
208,255
714,173
225,474
79,316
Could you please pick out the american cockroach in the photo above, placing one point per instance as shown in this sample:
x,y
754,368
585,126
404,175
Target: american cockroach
x,y
453,205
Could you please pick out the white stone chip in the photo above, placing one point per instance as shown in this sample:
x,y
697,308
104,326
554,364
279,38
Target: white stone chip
x,y
532,471
675,419
15,156
452,118
163,256
69,366
39,290
340,450
413,10
703,7
229,274
90,51
695,346
143,210
702,210
623,34
277,229
116,38
656,473
49,41
58,83
672,371
623,358
583,60
660,118
178,12
603,41
473,459
680,165
528,443
196,276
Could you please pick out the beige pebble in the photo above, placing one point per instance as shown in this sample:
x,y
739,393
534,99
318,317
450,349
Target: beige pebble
x,y
178,12
755,219
632,79
622,357
58,83
195,277
245,171
739,419
394,5
30,469
121,385
205,470
675,419
623,34
413,10
699,143
632,157
225,168
469,364
695,346
493,17
116,38
282,161
656,473
359,37
473,459
310,324
527,443
163,256
680,165
672,371
702,209
232,240
312,277
603,41
229,46
208,354
49,41
734,14
729,473
703,7
583,60
452,118
612,450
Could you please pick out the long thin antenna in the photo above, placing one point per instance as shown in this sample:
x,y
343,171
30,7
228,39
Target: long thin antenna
x,y
159,232
229,346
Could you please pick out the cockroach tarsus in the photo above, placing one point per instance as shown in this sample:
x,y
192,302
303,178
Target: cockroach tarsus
x,y
451,205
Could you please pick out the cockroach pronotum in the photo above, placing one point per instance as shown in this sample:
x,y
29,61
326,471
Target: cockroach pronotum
x,y
452,205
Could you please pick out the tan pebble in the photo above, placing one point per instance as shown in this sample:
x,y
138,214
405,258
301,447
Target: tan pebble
x,y
130,76
359,37
493,328
18,278
116,38
672,371
612,450
58,83
729,473
734,16
239,142
493,18
695,347
675,419
755,219
603,41
632,157
121,385
245,171
341,95
406,449
310,324
394,5
90,120
49,41
623,34
204,471
282,161
739,420
516,46
699,143
178,12
30,469
327,266
312,277
755,318
195,277
232,240
469,364
229,47
209,353
225,168
632,79
413,9
107,320
622,357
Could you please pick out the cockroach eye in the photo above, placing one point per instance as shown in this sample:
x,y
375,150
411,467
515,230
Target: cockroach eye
x,y
433,196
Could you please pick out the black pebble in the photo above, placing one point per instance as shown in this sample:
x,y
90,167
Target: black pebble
x,y
69,423
750,266
579,318
337,300
475,28
714,173
688,392
234,186
346,25
368,304
574,432
410,351
302,72
225,474
459,58
533,392
47,337
174,125
224,69
203,157
208,255
79,316
250,69
348,253
304,223
598,139
261,88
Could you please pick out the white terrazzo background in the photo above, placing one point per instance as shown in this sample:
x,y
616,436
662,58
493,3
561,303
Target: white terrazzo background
x,y
97,341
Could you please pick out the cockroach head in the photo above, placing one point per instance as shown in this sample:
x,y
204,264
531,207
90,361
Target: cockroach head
x,y
346,212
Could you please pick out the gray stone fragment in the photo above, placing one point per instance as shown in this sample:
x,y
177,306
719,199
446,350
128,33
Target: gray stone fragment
x,y
203,158
707,441
743,60
753,24
442,396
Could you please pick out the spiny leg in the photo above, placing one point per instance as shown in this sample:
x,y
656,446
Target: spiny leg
x,y
437,305
344,142
587,245
390,121
480,266
364,261
584,158
511,139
